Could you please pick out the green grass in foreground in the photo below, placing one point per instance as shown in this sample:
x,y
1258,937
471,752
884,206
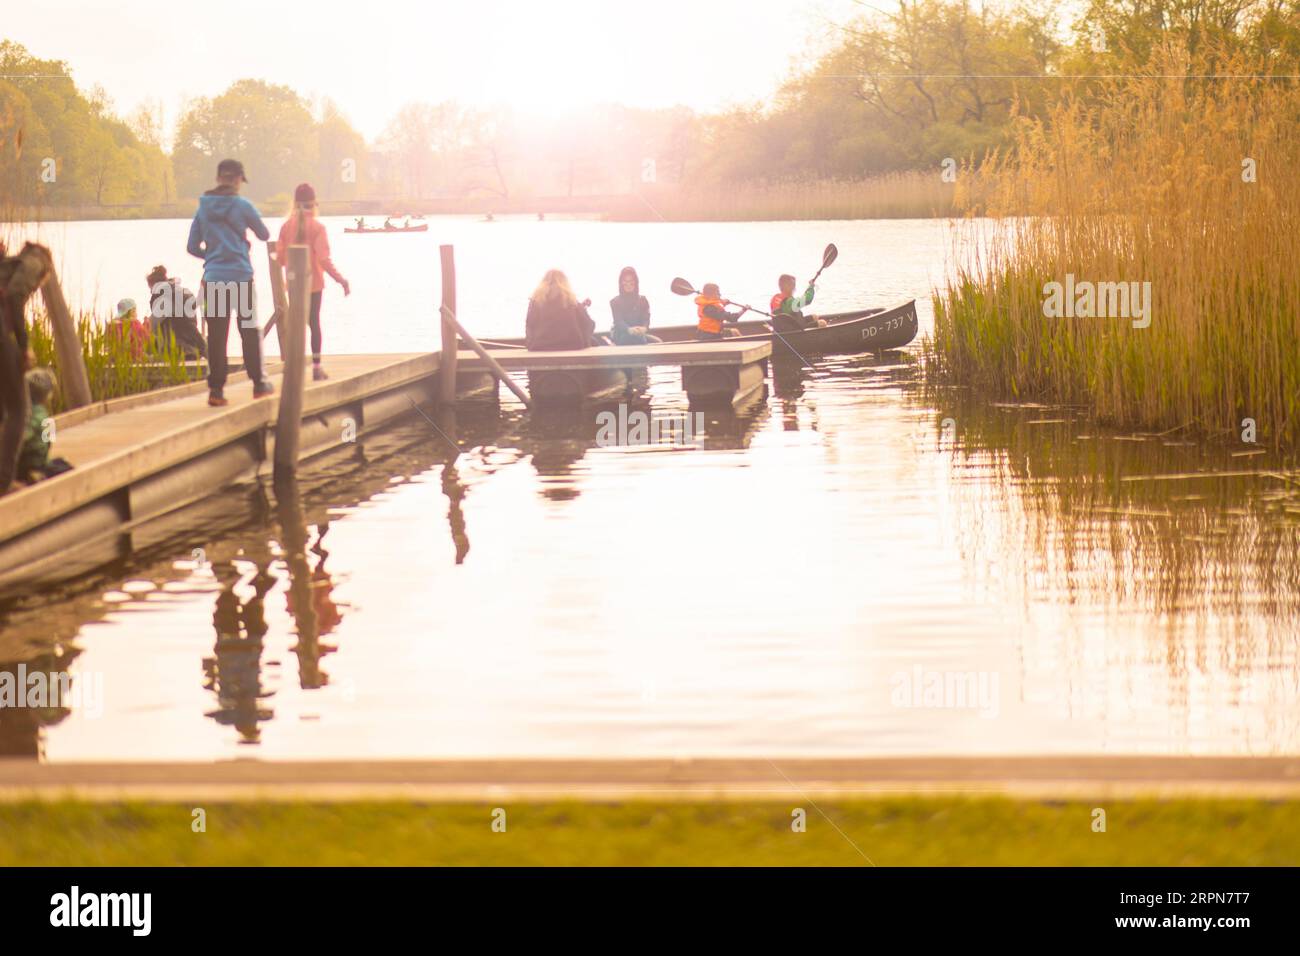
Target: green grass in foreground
x,y
906,831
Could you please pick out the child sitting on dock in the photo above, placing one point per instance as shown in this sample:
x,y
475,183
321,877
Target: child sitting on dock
x,y
127,327
303,228
34,461
713,316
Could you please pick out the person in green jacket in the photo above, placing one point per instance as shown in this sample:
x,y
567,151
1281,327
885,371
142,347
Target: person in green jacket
x,y
34,461
787,308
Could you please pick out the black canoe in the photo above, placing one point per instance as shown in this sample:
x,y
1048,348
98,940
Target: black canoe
x,y
847,333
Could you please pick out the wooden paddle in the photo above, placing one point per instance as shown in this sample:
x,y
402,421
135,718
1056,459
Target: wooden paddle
x,y
829,256
682,287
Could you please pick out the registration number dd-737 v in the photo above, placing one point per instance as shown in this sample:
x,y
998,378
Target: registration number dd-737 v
x,y
887,326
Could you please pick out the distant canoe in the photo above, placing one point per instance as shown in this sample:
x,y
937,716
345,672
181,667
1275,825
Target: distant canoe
x,y
846,333
366,232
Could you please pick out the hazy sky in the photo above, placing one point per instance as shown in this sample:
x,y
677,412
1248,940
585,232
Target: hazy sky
x,y
372,56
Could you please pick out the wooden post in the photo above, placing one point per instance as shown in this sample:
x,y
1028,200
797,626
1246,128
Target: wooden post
x,y
72,364
279,301
450,339
290,415
493,364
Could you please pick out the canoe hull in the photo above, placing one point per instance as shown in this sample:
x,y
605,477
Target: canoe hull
x,y
849,333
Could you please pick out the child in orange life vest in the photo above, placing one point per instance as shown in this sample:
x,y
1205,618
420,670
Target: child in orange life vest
x,y
709,306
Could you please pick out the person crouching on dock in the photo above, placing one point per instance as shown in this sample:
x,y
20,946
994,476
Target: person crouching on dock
x,y
710,306
303,228
787,308
556,319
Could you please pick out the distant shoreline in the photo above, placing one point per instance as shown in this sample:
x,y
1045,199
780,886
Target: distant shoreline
x,y
899,196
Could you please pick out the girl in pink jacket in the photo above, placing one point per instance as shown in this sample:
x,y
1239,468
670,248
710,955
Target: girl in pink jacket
x,y
303,228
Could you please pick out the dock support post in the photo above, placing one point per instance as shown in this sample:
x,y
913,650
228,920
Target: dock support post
x,y
492,363
450,339
279,303
289,418
72,364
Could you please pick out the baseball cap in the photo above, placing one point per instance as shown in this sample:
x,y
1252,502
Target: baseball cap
x,y
304,193
124,307
231,167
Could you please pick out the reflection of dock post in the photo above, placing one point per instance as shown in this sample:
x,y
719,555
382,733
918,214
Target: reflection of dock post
x,y
452,486
450,340
290,416
72,365
293,541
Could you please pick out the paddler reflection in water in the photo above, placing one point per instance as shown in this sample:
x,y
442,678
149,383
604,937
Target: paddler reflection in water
x,y
710,306
787,308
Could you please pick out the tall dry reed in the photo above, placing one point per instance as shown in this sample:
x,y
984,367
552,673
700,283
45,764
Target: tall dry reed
x,y
1192,185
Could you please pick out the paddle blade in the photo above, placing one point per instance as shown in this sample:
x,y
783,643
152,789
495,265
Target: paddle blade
x,y
682,287
830,255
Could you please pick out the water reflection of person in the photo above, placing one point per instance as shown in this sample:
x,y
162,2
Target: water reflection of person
x,y
21,726
234,672
556,438
788,385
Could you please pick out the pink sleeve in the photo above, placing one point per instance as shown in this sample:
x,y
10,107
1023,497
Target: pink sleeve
x,y
322,252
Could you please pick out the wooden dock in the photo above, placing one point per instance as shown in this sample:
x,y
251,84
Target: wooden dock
x,y
713,373
139,457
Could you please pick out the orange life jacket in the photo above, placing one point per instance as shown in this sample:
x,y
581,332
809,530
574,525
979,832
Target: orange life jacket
x,y
707,322
775,305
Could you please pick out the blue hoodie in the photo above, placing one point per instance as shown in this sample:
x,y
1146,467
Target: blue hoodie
x,y
217,235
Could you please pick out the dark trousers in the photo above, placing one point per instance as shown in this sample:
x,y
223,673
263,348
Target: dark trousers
x,y
313,322
703,336
788,323
219,310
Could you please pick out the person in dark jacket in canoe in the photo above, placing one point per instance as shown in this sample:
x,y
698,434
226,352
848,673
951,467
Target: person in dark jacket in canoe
x,y
710,306
787,308
556,319
631,312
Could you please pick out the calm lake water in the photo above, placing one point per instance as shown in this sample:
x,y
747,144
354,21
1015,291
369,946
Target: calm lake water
x,y
820,575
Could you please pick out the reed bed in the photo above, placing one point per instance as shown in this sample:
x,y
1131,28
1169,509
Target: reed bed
x,y
906,195
113,368
1190,185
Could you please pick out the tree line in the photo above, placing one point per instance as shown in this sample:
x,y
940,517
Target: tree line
x,y
896,89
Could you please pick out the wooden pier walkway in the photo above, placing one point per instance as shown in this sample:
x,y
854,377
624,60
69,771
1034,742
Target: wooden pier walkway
x,y
139,457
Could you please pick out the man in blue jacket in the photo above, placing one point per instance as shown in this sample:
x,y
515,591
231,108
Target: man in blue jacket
x,y
217,236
